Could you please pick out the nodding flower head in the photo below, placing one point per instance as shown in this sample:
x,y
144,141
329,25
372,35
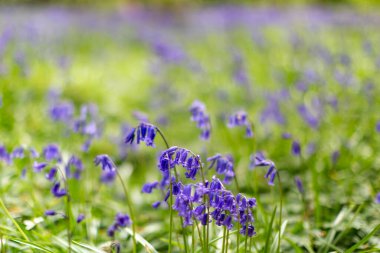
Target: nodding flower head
x,y
296,148
121,220
143,133
180,156
200,116
80,218
75,163
377,199
258,160
38,167
57,191
148,187
108,168
299,184
224,165
238,119
18,153
51,152
62,111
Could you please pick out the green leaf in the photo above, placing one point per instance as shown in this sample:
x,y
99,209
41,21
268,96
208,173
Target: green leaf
x,y
364,240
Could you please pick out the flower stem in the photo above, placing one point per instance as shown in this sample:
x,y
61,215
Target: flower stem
x,y
224,238
227,238
280,219
130,211
171,216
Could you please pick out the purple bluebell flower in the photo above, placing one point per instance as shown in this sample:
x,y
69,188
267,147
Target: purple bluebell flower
x,y
143,133
38,167
108,168
200,116
335,156
168,52
248,231
112,230
296,148
33,153
299,185
378,126
76,163
62,111
258,160
377,199
50,212
224,165
18,153
240,118
308,117
51,175
148,187
4,155
156,204
286,136
80,218
51,152
57,191
122,220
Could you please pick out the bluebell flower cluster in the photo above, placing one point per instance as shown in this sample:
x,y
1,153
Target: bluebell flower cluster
x,y
143,133
258,160
108,168
87,123
221,206
180,156
238,119
121,221
200,116
224,166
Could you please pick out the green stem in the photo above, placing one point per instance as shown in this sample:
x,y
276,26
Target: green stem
x,y
224,238
192,239
13,220
171,216
227,239
280,219
130,211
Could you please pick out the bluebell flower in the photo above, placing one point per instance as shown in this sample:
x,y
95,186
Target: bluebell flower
x,y
38,167
308,117
378,126
143,133
249,231
296,148
51,152
80,218
148,187
50,212
57,191
18,153
238,119
258,160
122,220
377,199
34,153
156,204
62,111
200,116
335,156
76,163
4,155
224,166
299,185
108,168
51,175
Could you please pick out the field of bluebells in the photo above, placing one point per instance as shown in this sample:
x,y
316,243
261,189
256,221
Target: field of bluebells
x,y
218,129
